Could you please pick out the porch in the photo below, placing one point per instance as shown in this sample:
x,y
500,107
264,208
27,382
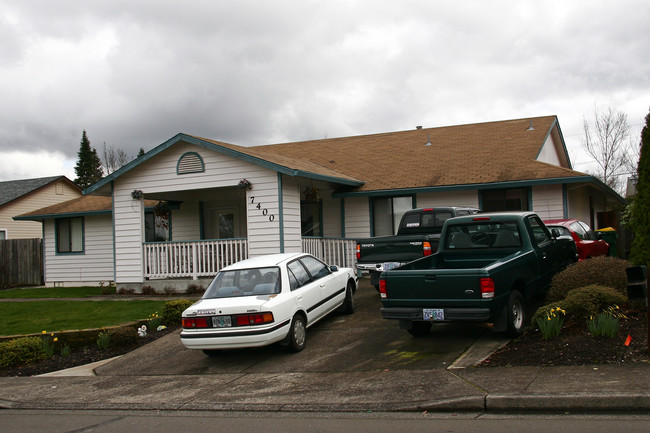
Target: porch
x,y
203,259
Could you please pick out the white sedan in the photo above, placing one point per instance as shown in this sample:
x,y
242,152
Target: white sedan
x,y
267,299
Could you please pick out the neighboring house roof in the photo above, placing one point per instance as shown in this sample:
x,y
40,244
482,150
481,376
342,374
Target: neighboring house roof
x,y
15,189
85,205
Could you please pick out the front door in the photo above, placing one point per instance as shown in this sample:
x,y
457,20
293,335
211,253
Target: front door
x,y
225,223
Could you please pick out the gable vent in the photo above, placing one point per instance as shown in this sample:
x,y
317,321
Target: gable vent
x,y
190,162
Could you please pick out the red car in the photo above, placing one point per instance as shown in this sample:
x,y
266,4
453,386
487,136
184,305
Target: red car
x,y
588,242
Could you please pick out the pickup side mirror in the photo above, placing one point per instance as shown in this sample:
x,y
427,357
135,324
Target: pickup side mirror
x,y
334,268
555,233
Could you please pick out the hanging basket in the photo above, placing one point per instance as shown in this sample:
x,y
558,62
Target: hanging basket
x,y
245,184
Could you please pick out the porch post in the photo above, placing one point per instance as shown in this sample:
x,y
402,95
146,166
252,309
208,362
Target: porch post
x,y
194,261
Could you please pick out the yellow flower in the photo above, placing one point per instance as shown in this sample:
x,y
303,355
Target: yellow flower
x,y
55,339
43,332
549,317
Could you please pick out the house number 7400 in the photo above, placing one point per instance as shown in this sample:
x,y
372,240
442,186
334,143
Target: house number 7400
x,y
265,211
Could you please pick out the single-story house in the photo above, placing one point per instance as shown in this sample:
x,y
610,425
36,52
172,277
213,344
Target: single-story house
x,y
218,202
20,196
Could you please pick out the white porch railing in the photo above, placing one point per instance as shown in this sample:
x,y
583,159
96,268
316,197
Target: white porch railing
x,y
333,251
192,258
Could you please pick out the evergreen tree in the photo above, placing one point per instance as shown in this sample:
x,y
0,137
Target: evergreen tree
x,y
640,253
89,166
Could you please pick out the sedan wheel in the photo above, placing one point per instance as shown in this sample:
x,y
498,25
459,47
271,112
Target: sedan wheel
x,y
297,334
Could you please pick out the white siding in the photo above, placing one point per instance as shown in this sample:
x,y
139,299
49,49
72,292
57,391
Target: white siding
x,y
129,235
357,218
93,266
464,198
548,202
185,222
549,153
291,206
158,175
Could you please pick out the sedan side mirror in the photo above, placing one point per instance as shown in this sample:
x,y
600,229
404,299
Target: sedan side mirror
x,y
334,268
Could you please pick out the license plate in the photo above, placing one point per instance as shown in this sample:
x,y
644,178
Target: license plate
x,y
390,265
434,314
221,322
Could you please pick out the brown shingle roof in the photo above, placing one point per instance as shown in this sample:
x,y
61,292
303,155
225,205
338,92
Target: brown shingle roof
x,y
83,205
458,155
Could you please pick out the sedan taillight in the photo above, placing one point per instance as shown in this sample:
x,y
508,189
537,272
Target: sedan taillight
x,y
253,319
195,322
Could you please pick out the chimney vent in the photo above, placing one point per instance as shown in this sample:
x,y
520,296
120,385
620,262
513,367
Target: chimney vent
x,y
418,127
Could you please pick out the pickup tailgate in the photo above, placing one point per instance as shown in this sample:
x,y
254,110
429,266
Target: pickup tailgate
x,y
394,248
415,288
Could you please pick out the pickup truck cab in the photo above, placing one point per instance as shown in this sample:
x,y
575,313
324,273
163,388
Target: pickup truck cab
x,y
417,236
485,269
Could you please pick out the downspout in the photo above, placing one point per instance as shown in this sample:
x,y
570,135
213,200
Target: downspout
x,y
281,212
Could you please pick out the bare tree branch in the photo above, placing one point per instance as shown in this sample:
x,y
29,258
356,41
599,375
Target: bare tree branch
x,y
609,145
113,158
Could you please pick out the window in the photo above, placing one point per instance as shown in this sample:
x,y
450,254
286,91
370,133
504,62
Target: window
x,y
3,234
69,235
310,218
156,227
387,213
504,200
316,268
540,232
298,275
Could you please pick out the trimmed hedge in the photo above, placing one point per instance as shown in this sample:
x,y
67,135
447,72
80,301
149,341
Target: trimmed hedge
x,y
172,311
21,351
601,271
583,302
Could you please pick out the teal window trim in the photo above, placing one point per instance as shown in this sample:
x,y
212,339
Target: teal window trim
x,y
58,221
194,170
565,201
113,224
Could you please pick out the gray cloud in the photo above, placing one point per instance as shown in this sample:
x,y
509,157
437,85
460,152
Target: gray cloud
x,y
134,74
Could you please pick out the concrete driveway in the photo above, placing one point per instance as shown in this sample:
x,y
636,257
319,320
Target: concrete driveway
x,y
359,342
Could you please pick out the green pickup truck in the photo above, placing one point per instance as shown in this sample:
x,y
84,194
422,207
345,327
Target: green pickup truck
x,y
485,269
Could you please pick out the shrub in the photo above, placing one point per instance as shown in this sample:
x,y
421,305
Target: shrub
x,y
149,291
584,302
602,271
172,311
21,351
194,289
124,336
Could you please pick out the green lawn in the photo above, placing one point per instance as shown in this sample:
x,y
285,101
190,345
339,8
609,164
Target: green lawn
x,y
52,292
52,316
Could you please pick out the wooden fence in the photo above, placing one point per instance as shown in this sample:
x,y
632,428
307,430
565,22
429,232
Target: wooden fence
x,y
21,262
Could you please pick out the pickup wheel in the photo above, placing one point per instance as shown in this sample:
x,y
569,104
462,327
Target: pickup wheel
x,y
420,329
515,314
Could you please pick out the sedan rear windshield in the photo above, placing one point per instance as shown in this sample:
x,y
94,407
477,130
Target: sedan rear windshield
x,y
483,235
244,282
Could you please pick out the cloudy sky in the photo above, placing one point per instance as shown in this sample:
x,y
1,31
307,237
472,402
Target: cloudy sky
x,y
135,73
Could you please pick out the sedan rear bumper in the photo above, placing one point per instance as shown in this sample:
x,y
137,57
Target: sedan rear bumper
x,y
234,338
